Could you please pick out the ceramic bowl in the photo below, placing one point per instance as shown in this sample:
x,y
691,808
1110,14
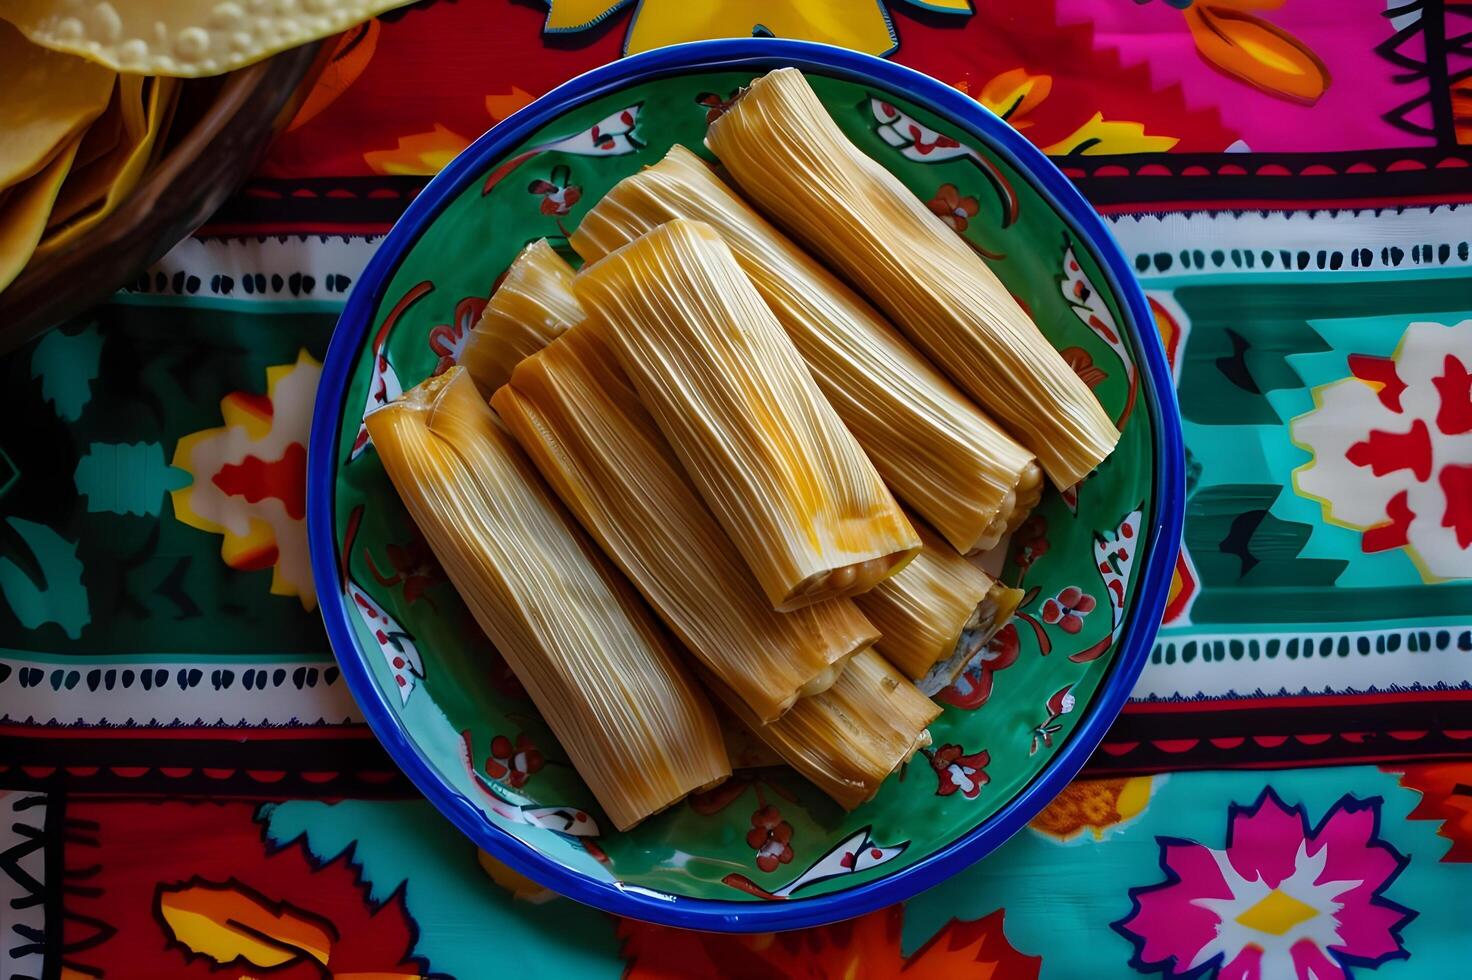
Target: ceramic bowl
x,y
764,851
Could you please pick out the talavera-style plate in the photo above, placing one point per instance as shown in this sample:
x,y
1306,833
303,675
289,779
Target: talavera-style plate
x,y
765,850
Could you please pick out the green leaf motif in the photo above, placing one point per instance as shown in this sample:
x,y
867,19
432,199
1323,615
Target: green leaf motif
x,y
66,365
126,478
60,597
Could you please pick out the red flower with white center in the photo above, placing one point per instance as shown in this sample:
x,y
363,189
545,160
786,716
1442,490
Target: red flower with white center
x,y
1392,449
771,837
1068,608
1061,703
1284,897
448,339
952,208
513,765
957,771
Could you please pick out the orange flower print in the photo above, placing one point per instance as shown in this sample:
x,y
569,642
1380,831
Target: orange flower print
x,y
952,208
771,837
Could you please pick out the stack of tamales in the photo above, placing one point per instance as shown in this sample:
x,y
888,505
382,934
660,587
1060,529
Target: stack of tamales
x,y
707,428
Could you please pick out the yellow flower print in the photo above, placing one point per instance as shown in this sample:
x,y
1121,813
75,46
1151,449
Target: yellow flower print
x,y
862,25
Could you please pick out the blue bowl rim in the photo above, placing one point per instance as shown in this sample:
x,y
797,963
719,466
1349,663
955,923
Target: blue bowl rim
x,y
1137,634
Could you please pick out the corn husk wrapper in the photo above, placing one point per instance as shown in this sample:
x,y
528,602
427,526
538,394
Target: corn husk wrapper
x,y
531,307
772,461
637,728
847,740
582,424
937,613
940,454
787,154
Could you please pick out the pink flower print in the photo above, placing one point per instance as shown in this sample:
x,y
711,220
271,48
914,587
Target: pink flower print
x,y
771,837
448,339
1068,608
1282,899
516,764
956,771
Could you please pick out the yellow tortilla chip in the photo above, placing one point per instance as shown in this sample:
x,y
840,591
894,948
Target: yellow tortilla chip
x,y
168,103
184,38
46,99
100,138
23,217
92,193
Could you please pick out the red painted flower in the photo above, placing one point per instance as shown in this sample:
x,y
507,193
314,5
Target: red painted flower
x,y
1083,365
514,765
956,771
1030,543
448,339
952,208
1061,703
558,196
1068,608
771,837
715,105
973,687
415,568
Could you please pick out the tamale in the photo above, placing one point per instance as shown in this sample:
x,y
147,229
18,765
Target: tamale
x,y
529,309
936,613
789,156
636,726
770,458
581,422
937,451
847,740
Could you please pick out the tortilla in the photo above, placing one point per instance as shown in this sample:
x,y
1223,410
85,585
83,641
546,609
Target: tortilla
x,y
93,192
103,134
184,38
23,216
48,99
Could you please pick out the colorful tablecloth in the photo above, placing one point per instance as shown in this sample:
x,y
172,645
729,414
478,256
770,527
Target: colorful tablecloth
x,y
189,789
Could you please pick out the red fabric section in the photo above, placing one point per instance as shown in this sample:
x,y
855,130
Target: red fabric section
x,y
130,860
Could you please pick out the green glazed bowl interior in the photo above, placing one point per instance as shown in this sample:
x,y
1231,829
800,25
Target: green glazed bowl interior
x,y
766,850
